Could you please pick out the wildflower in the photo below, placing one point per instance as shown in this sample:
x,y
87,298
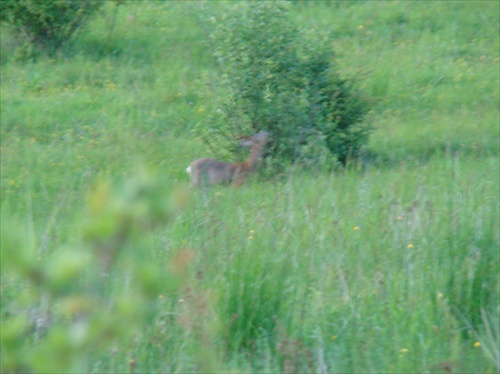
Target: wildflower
x,y
477,345
355,228
361,27
404,350
250,234
334,337
400,218
410,246
439,295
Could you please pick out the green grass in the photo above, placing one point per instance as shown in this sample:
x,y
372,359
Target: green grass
x,y
390,265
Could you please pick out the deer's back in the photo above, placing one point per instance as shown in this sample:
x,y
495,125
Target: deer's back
x,y
207,170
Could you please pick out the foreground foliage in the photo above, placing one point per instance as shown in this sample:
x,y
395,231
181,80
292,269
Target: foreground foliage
x,y
301,281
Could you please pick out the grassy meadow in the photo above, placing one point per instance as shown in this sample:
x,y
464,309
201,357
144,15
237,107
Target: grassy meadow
x,y
388,265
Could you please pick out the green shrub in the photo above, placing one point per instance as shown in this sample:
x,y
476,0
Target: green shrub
x,y
46,25
70,312
278,78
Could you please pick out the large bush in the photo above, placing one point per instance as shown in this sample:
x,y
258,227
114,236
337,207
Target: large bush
x,y
278,78
46,24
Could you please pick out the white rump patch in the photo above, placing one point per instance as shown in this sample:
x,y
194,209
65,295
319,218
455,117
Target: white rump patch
x,y
188,170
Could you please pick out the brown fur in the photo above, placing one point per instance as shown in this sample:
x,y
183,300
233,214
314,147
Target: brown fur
x,y
209,171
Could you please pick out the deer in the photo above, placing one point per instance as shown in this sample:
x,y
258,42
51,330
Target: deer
x,y
210,171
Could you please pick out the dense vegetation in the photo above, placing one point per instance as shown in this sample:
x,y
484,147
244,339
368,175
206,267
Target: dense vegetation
x,y
45,26
387,265
282,78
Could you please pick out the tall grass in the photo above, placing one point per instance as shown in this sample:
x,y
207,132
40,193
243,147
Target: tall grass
x,y
390,265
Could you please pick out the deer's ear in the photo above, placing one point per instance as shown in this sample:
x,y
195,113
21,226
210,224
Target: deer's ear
x,y
243,137
245,140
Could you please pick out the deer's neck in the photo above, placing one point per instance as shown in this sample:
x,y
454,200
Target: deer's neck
x,y
254,157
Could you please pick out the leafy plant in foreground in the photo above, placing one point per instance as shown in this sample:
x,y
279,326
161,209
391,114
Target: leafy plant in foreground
x,y
87,299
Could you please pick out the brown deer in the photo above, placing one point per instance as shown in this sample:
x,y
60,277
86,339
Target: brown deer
x,y
209,171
